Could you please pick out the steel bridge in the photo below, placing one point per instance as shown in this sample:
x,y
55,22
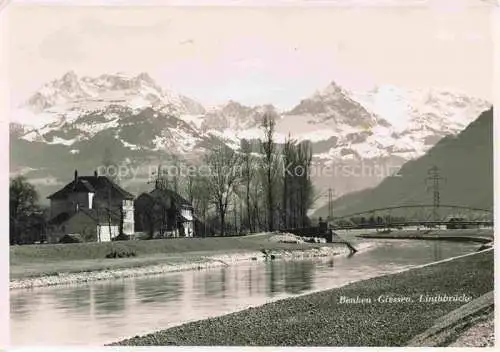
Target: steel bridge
x,y
420,215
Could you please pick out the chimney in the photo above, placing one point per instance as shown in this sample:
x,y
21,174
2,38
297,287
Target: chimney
x,y
75,180
95,173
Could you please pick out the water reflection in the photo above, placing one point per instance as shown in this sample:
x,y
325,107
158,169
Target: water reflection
x,y
273,282
215,283
290,277
299,277
23,304
148,290
223,281
109,298
77,301
437,253
103,312
253,281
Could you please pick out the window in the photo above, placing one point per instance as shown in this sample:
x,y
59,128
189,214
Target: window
x,y
129,216
128,203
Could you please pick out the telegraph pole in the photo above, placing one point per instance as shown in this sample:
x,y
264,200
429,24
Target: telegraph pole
x,y
435,178
330,204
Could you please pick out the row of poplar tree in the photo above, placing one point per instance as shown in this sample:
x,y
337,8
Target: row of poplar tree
x,y
261,186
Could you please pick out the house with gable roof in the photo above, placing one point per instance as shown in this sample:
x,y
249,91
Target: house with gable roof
x,y
91,208
162,213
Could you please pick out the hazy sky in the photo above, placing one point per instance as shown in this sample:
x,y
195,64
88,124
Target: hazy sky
x,y
254,55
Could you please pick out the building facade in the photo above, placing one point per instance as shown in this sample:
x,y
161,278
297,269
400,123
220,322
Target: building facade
x,y
93,207
164,213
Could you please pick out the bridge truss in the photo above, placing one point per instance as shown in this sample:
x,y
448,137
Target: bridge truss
x,y
427,215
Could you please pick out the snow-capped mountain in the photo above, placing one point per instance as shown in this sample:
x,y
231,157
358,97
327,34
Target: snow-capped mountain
x,y
382,122
235,116
333,115
133,109
420,118
68,122
233,121
92,93
334,105
432,110
71,96
145,129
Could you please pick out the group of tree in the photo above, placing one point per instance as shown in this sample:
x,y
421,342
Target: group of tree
x,y
27,219
261,186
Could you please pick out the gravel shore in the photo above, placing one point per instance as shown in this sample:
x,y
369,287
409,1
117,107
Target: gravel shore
x,y
198,264
384,311
462,327
481,334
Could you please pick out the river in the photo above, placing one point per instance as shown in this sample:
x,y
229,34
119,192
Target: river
x,y
103,312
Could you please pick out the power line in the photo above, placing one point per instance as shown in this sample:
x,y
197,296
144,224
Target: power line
x,y
330,204
435,178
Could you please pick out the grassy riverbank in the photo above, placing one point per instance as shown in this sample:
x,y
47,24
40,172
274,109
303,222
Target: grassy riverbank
x,y
35,261
320,319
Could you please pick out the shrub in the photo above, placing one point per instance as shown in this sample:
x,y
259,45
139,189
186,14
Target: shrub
x,y
121,237
70,239
121,253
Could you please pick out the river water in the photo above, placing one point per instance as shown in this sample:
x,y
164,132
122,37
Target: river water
x,y
103,312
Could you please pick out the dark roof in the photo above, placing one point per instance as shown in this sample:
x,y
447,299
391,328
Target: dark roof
x,y
164,194
59,219
100,217
83,186
97,184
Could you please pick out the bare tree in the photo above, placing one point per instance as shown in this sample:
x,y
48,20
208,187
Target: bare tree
x,y
224,171
268,148
190,188
248,164
111,166
112,175
109,213
256,204
175,177
305,185
288,162
199,196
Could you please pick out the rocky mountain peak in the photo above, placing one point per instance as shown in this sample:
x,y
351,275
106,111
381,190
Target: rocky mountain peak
x,y
144,76
140,118
74,93
70,77
336,106
233,108
421,110
332,89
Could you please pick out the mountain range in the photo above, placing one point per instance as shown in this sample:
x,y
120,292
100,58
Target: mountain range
x,y
465,163
69,123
